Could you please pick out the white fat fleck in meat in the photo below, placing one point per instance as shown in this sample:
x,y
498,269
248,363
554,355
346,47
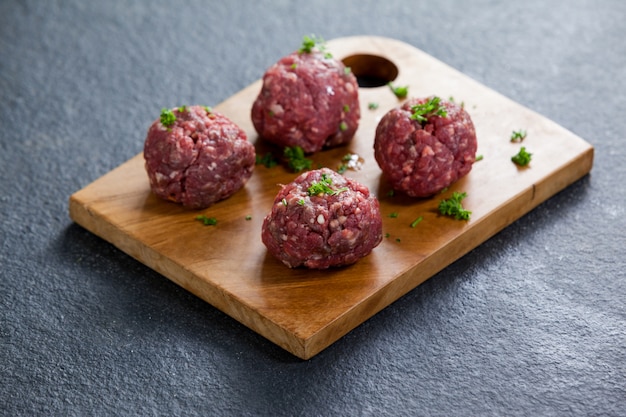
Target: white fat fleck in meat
x,y
321,219
349,236
330,91
276,109
427,151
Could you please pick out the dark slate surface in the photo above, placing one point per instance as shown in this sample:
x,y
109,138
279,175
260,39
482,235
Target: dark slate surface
x,y
530,323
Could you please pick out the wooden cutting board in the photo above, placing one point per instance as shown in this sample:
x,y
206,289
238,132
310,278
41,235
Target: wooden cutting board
x,y
305,311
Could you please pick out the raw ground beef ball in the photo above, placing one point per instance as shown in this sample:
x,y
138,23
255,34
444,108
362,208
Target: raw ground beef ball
x,y
326,229
309,100
422,158
199,158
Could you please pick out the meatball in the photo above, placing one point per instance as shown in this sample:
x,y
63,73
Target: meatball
x,y
196,157
308,99
420,150
322,220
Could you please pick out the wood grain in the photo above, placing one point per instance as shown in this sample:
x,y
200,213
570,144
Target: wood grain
x,y
305,311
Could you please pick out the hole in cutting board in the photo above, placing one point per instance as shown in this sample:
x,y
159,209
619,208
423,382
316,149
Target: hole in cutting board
x,y
371,70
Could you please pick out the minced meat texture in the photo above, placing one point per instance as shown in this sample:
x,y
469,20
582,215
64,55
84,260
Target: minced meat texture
x,y
309,100
325,229
203,157
423,159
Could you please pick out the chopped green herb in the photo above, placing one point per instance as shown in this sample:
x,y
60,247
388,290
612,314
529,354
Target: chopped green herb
x,y
323,186
301,202
208,109
372,106
522,158
294,65
431,108
182,109
248,217
343,126
296,159
347,70
453,207
393,215
268,160
387,235
284,201
479,158
308,43
208,221
167,117
311,42
346,108
518,135
391,193
416,221
398,239
400,92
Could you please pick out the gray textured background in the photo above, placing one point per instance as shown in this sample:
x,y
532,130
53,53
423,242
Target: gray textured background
x,y
532,322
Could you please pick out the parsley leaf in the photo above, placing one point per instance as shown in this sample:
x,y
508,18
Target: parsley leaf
x,y
522,158
400,92
416,221
268,160
431,108
208,221
167,117
295,158
309,43
372,105
452,207
323,186
518,135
